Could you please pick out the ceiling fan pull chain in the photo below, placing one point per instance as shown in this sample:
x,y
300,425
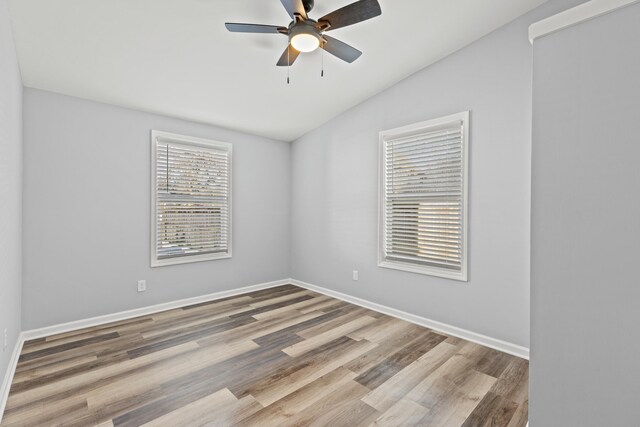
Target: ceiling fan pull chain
x,y
288,61
322,56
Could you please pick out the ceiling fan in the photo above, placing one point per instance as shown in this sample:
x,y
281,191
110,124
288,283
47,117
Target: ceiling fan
x,y
306,34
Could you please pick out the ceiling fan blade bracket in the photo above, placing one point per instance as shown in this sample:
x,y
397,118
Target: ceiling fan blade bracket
x,y
323,25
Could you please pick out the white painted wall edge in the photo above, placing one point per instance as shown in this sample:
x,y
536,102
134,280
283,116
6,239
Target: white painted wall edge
x,y
575,15
484,340
8,377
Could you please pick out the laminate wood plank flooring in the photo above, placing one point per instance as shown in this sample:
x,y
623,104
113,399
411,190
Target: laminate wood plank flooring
x,y
284,356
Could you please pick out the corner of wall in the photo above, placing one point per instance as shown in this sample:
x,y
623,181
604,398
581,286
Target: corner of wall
x,y
290,212
11,187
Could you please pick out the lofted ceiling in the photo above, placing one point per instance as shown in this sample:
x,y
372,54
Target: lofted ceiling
x,y
175,57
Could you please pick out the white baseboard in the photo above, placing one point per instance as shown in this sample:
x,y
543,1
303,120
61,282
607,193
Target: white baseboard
x,y
484,340
500,345
144,311
494,343
115,317
8,376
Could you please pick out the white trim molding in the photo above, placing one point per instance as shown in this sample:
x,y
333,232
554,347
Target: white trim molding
x,y
115,317
496,344
455,331
568,18
189,142
8,376
420,133
144,311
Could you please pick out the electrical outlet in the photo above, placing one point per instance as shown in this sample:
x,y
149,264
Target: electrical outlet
x,y
142,285
6,340
355,275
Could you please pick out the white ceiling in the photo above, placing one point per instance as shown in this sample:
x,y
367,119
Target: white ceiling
x,y
175,57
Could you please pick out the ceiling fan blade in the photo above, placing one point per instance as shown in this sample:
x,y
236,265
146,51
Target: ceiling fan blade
x,y
290,55
340,49
293,7
254,28
351,14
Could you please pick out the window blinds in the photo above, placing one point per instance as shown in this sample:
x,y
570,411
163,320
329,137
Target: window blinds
x,y
424,200
192,203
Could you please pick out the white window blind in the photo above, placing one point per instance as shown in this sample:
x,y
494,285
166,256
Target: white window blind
x,y
191,204
424,197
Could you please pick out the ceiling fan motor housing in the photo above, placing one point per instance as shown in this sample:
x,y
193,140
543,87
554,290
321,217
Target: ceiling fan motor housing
x,y
305,27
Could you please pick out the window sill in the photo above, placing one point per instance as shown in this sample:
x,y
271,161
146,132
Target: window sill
x,y
188,259
428,271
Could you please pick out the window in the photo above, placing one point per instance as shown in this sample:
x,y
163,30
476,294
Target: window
x,y
191,199
423,200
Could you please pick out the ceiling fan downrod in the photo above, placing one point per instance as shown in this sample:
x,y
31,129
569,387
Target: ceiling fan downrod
x,y
308,5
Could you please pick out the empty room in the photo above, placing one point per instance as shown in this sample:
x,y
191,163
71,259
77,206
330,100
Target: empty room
x,y
319,213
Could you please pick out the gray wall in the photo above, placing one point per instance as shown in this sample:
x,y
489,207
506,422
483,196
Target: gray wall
x,y
335,188
87,214
585,343
10,189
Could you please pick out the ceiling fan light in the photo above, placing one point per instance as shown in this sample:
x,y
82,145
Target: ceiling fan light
x,y
305,42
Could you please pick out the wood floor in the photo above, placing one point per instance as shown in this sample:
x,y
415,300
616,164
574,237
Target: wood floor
x,y
284,356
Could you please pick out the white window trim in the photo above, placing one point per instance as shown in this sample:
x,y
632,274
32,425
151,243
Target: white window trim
x,y
408,130
207,143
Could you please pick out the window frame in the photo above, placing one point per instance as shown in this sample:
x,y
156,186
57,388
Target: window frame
x,y
190,141
416,129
